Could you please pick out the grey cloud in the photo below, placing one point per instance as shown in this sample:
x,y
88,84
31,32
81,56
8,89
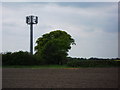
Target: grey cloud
x,y
86,25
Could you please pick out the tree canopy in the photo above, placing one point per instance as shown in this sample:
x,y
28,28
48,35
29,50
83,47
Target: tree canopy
x,y
52,47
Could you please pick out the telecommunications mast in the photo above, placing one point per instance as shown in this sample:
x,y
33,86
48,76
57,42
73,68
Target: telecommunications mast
x,y
30,20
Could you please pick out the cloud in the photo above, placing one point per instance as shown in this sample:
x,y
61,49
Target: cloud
x,y
60,0
90,26
1,27
95,44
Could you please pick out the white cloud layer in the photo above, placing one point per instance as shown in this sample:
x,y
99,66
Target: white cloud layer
x,y
60,0
93,28
0,26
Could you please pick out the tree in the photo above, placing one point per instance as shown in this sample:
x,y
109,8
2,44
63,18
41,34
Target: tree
x,y
52,47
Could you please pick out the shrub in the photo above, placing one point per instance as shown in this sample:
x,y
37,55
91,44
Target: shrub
x,y
19,58
92,63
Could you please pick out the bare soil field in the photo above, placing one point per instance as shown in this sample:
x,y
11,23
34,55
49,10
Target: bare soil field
x,y
60,78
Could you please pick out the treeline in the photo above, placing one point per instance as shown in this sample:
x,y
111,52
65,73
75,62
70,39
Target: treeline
x,y
93,62
93,58
18,58
25,58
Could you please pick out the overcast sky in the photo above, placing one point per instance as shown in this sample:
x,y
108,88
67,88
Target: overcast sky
x,y
94,26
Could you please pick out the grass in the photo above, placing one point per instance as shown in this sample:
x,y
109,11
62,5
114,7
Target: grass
x,y
36,66
116,60
52,66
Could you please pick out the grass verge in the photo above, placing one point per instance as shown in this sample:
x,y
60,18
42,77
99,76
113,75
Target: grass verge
x,y
35,66
51,66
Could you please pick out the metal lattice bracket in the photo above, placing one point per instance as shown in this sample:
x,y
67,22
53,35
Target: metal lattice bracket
x,y
31,19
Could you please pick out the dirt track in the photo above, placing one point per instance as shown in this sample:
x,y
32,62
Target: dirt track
x,y
60,78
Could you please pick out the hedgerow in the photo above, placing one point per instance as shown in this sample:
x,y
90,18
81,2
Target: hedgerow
x,y
93,63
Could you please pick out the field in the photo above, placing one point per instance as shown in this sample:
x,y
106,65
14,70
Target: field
x,y
60,78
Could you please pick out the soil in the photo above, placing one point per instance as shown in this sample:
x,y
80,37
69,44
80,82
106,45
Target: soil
x,y
60,78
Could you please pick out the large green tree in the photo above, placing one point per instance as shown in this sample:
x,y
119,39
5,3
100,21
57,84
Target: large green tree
x,y
52,47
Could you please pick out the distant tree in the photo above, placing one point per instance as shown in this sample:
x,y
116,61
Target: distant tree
x,y
52,47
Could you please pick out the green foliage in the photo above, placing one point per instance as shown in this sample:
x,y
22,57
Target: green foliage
x,y
92,63
18,58
36,66
52,47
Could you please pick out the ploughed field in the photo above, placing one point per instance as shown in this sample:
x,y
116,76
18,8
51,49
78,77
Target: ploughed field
x,y
60,78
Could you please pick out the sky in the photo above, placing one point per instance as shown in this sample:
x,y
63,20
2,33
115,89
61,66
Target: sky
x,y
93,25
59,0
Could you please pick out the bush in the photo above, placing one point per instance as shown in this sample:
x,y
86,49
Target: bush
x,y
92,63
19,58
